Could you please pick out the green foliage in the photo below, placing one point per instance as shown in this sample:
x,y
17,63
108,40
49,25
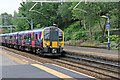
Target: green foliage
x,y
114,38
75,32
64,11
80,35
70,31
21,25
6,19
38,26
89,43
82,23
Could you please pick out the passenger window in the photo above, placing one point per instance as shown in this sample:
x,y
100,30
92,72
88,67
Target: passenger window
x,y
29,36
36,36
32,36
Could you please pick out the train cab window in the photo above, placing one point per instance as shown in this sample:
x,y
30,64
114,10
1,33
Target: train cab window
x,y
60,36
47,35
54,35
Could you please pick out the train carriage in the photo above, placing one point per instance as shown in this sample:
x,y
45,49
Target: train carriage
x,y
12,39
4,40
44,41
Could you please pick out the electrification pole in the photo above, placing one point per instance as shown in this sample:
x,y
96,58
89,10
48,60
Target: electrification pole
x,y
108,29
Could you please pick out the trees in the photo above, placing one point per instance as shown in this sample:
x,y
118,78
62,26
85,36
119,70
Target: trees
x,y
6,19
86,18
90,16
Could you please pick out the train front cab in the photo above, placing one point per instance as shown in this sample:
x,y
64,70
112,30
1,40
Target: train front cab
x,y
53,41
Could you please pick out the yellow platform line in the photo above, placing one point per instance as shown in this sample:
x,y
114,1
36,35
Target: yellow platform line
x,y
72,71
54,72
13,58
44,68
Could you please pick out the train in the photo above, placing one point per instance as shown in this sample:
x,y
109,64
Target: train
x,y
43,41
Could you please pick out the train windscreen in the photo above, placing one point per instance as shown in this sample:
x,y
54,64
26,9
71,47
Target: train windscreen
x,y
47,34
53,34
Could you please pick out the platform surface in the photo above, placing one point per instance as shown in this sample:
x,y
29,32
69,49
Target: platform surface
x,y
13,67
113,54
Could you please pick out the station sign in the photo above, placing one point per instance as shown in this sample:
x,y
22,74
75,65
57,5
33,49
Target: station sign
x,y
108,25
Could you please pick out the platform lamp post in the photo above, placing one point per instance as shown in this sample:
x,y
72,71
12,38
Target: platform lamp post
x,y
108,29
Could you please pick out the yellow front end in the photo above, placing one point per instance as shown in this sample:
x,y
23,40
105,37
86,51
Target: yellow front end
x,y
54,46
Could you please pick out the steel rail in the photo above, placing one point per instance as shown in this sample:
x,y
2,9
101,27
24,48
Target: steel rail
x,y
93,60
96,69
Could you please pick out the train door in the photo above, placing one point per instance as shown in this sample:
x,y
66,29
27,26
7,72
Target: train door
x,y
38,39
33,39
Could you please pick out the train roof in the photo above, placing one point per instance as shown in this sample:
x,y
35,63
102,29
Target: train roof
x,y
34,30
3,34
13,33
52,27
29,31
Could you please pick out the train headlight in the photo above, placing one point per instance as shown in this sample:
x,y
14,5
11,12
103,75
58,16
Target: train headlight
x,y
60,44
54,51
47,44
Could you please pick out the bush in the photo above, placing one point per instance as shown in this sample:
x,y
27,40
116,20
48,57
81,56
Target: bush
x,y
114,38
74,32
79,35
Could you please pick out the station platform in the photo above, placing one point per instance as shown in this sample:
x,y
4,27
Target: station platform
x,y
111,54
14,67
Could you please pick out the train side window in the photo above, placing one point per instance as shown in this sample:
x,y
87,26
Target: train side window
x,y
36,36
26,37
20,37
32,36
29,36
10,37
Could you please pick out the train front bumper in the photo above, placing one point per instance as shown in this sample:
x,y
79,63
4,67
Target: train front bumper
x,y
53,50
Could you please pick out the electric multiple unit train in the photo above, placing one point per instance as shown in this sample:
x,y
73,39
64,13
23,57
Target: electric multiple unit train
x,y
44,41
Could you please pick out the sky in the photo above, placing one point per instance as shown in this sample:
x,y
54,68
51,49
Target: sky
x,y
9,6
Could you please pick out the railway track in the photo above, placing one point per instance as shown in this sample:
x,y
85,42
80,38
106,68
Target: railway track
x,y
92,67
108,65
